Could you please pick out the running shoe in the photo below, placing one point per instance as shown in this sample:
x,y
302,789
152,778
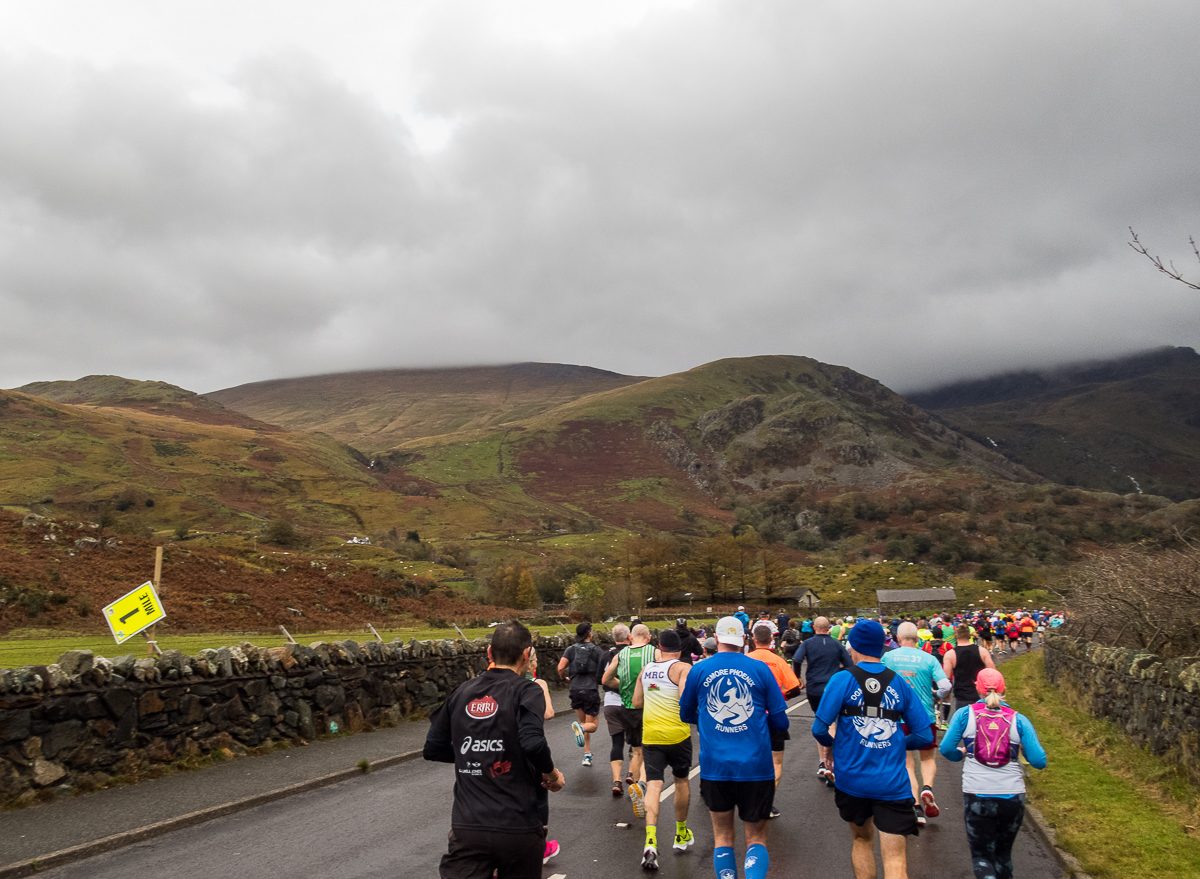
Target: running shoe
x,y
829,778
650,857
587,759
821,770
921,822
931,807
578,730
684,841
618,790
552,849
639,801
628,780
774,813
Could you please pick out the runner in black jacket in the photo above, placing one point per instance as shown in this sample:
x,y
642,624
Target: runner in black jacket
x,y
490,728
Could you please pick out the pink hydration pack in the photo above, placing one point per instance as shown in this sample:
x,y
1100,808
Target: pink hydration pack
x,y
994,746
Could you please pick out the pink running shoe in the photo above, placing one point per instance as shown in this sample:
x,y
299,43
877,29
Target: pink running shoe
x,y
552,849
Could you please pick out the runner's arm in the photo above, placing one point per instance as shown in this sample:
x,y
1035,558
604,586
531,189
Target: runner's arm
x,y
988,662
438,747
948,663
1030,746
944,686
952,740
831,706
610,678
545,688
639,696
680,678
531,737
689,708
917,718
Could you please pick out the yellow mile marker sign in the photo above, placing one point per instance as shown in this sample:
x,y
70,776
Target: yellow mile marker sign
x,y
134,612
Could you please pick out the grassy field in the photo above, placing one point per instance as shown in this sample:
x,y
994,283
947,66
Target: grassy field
x,y
39,647
1117,808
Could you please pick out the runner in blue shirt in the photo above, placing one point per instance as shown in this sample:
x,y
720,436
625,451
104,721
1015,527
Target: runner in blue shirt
x,y
922,671
868,703
735,702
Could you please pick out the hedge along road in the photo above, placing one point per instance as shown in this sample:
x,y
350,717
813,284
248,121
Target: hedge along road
x,y
394,822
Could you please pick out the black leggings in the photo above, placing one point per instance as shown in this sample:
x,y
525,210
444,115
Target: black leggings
x,y
618,747
992,825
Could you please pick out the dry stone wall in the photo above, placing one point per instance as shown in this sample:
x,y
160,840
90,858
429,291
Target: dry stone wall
x,y
85,720
1156,701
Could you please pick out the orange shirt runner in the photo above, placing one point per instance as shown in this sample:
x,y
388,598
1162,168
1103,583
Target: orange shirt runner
x,y
788,682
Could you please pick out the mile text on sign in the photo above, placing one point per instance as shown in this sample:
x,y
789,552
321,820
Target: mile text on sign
x,y
134,611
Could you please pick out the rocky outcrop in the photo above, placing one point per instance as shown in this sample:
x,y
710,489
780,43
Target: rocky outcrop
x,y
86,719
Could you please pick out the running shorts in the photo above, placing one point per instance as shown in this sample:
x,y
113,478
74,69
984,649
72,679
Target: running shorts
x,y
658,757
753,799
587,701
626,720
814,699
897,817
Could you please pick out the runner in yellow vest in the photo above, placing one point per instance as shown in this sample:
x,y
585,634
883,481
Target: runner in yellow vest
x,y
666,740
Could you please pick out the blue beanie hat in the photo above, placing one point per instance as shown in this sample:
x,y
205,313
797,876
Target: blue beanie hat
x,y
867,638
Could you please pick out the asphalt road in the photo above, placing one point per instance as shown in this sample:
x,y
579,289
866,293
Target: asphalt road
x,y
394,823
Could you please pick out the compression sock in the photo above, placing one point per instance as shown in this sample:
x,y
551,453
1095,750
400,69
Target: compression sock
x,y
652,836
757,861
680,828
725,863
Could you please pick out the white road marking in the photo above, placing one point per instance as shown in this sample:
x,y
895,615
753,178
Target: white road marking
x,y
667,791
559,876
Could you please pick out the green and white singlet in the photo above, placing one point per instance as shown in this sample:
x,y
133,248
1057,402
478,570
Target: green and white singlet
x,y
630,662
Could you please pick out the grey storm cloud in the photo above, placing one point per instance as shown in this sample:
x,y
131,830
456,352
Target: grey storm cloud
x,y
921,192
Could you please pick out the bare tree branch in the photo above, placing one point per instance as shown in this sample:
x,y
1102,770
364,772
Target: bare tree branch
x,y
1169,269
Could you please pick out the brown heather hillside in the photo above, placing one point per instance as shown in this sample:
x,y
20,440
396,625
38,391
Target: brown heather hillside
x,y
379,409
158,467
48,581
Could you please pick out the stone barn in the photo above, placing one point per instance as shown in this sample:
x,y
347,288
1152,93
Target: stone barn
x,y
894,602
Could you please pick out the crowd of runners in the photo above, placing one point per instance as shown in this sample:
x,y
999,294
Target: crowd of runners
x,y
881,691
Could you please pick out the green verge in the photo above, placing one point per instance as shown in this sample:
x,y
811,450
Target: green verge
x,y
19,650
1120,810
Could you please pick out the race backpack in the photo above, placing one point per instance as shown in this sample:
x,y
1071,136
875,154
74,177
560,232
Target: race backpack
x,y
873,687
994,745
583,660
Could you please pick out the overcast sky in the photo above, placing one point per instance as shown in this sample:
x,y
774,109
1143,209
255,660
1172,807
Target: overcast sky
x,y
211,193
